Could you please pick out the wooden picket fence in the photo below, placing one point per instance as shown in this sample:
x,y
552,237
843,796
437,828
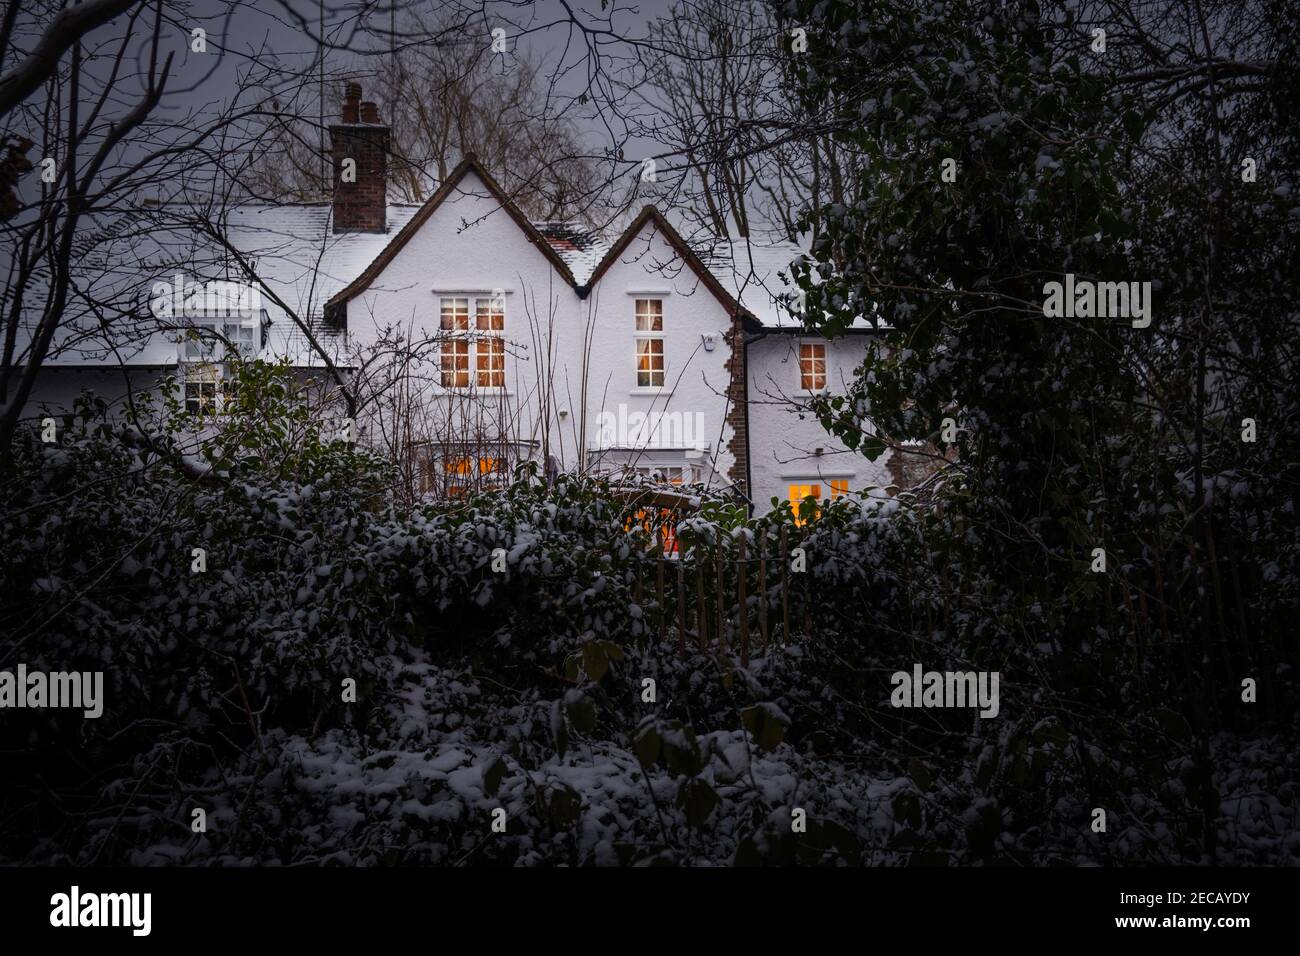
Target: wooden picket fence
x,y
726,595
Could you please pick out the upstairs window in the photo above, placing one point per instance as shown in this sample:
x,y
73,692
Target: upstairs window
x,y
649,343
479,348
490,323
454,323
812,366
206,346
211,340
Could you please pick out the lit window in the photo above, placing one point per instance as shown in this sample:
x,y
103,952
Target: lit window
x,y
652,520
812,366
839,486
798,492
491,361
485,341
649,343
455,349
490,322
461,474
458,477
201,389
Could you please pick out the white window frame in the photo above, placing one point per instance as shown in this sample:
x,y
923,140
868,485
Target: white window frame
x,y
826,366
824,484
202,356
649,335
479,344
456,473
683,473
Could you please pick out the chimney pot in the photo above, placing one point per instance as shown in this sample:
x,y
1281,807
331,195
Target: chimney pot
x,y
360,205
351,97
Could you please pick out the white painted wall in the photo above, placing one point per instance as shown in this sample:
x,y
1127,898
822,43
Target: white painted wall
x,y
695,355
470,247
784,436
568,359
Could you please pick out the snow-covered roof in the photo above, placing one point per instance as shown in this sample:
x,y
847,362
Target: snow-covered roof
x,y
757,272
291,248
580,248
294,252
304,264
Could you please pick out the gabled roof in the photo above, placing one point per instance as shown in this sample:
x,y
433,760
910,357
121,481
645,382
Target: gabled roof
x,y
469,164
650,214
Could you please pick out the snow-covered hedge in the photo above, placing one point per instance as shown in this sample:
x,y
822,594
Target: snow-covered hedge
x,y
525,691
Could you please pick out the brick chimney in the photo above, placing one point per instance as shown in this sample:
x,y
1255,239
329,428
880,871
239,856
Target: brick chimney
x,y
360,205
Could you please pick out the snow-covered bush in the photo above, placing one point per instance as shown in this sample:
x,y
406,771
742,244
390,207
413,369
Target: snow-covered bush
x,y
523,687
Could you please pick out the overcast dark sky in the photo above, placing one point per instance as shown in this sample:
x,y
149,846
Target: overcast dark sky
x,y
288,30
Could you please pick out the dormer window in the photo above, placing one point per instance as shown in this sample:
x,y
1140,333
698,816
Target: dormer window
x,y
208,340
207,344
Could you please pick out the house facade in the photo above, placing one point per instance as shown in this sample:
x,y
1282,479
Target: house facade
x,y
474,338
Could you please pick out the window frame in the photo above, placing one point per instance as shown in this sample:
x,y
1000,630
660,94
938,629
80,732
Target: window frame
x,y
203,354
836,488
649,335
456,473
804,388
475,347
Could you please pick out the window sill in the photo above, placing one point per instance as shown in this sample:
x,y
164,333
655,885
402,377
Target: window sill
x,y
652,390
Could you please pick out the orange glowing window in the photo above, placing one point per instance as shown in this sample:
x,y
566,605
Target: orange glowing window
x,y
490,354
453,320
812,366
799,492
645,519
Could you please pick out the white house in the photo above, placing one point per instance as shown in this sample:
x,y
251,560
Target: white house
x,y
476,338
